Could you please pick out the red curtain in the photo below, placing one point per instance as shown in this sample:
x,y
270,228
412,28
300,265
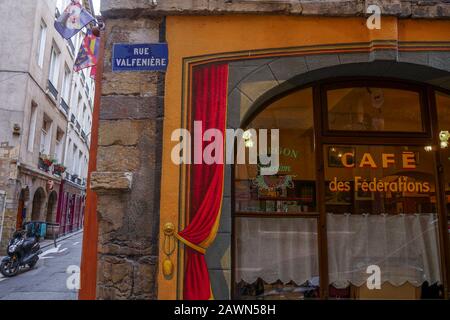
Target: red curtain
x,y
209,107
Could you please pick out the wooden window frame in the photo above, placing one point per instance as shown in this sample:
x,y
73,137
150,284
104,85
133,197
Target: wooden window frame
x,y
323,136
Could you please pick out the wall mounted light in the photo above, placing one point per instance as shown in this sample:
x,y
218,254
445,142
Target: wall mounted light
x,y
247,136
444,136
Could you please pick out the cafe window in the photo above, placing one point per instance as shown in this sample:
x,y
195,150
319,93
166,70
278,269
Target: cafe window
x,y
276,224
443,112
381,213
356,194
376,109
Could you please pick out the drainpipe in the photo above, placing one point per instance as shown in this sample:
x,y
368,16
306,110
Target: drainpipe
x,y
88,276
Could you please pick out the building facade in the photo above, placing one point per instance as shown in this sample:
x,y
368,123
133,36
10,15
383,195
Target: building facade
x,y
37,86
363,182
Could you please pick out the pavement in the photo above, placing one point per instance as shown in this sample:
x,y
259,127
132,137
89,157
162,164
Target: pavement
x,y
50,278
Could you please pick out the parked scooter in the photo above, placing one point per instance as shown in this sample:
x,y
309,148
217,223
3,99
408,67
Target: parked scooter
x,y
23,249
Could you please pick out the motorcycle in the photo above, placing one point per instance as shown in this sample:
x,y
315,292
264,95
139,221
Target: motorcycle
x,y
23,249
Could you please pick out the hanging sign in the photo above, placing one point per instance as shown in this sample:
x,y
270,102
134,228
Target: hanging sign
x,y
140,57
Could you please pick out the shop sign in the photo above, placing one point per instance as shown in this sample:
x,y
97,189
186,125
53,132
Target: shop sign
x,y
140,57
407,160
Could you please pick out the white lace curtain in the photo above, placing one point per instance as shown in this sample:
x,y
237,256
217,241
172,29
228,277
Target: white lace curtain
x,y
405,247
276,249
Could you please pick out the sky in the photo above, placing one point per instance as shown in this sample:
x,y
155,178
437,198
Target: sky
x,y
96,6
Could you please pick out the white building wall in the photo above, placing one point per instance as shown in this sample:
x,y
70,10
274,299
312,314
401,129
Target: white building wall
x,y
24,87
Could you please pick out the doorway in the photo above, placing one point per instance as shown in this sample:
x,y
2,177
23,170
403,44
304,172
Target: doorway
x,y
37,213
21,211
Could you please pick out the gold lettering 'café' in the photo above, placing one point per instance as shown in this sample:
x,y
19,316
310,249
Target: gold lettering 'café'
x,y
403,184
363,118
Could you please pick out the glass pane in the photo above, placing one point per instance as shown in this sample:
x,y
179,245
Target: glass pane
x,y
374,109
292,190
443,109
276,258
382,216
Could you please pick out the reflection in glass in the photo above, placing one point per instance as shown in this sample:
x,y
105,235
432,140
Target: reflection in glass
x,y
381,210
374,109
276,258
292,190
443,110
276,253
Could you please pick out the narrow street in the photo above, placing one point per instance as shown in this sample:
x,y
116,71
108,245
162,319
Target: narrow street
x,y
48,279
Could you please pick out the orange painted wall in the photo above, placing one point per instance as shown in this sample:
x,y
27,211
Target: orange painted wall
x,y
192,36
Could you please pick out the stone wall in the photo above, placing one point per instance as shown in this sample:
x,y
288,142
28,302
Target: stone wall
x,y
128,174
8,209
400,8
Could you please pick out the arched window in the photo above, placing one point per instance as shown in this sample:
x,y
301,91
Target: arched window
x,y
356,209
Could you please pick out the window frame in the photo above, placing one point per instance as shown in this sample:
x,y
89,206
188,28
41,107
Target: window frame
x,y
55,64
366,82
41,45
323,137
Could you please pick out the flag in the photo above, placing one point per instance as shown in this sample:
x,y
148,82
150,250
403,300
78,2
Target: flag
x,y
93,72
87,55
72,20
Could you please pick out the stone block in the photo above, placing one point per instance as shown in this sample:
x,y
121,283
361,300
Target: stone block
x,y
144,84
124,132
345,58
238,105
332,8
111,181
110,212
286,68
322,61
229,173
440,60
118,159
383,55
115,278
225,218
218,256
413,57
145,276
392,7
258,83
130,107
221,284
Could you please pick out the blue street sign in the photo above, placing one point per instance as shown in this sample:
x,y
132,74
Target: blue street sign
x,y
140,57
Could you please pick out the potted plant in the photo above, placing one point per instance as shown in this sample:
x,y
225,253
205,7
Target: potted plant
x,y
45,162
59,169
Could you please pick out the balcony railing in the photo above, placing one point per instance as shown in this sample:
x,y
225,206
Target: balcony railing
x,y
74,178
65,106
52,90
